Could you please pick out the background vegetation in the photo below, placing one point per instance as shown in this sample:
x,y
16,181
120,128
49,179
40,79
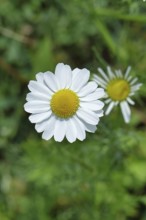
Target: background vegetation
x,y
103,177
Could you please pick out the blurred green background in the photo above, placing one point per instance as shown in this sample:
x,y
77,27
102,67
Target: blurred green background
x,y
104,177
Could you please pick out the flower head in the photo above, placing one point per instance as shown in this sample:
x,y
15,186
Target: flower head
x,y
64,104
119,89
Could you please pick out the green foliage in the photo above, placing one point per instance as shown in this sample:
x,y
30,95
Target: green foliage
x,y
103,177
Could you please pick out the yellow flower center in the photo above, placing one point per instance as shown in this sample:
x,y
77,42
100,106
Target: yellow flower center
x,y
118,89
64,103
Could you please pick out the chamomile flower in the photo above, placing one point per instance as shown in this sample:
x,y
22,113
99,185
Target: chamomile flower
x,y
64,104
119,88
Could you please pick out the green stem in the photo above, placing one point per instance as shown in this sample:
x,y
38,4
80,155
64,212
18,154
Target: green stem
x,y
120,15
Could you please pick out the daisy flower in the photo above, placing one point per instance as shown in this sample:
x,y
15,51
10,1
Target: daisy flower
x,y
64,104
119,88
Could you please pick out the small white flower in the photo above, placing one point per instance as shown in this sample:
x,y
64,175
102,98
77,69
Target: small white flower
x,y
119,89
64,104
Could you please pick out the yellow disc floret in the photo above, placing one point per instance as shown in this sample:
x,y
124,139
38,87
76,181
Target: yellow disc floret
x,y
118,89
64,103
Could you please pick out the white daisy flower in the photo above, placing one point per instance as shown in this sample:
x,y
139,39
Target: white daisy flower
x,y
119,88
64,104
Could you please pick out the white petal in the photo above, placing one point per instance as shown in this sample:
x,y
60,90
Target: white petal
x,y
110,73
37,97
125,111
99,93
99,113
135,87
80,80
130,101
94,106
81,135
127,72
60,129
51,81
39,102
64,75
75,72
59,68
107,101
105,96
120,75
116,103
133,81
40,77
49,130
38,87
103,74
41,126
90,128
35,108
127,108
87,89
117,73
37,118
129,78
100,81
71,132
110,107
88,116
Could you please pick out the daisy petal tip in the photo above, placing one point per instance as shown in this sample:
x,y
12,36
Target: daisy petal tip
x,y
58,140
106,113
44,137
85,71
129,67
30,119
127,119
60,65
71,141
39,77
25,107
